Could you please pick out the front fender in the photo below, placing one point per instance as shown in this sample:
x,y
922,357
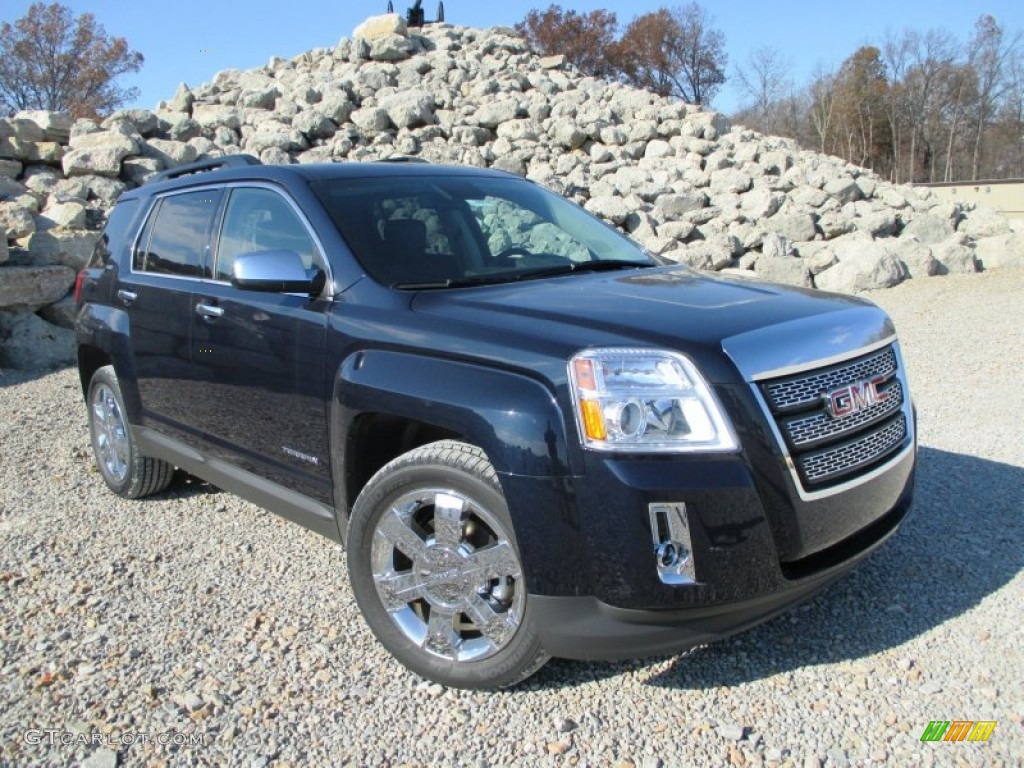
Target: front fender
x,y
514,419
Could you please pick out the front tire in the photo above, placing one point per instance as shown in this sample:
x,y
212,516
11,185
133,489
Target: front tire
x,y
435,569
126,471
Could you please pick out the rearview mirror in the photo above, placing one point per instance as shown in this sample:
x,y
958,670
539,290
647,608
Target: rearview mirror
x,y
276,272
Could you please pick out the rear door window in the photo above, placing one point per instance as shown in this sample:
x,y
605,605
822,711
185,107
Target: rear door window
x,y
176,237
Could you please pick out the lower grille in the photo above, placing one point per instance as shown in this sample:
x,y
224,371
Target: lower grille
x,y
840,420
845,459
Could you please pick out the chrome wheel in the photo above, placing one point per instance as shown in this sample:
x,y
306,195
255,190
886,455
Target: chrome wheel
x,y
447,574
109,434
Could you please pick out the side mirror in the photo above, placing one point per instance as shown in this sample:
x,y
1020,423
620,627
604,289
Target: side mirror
x,y
276,272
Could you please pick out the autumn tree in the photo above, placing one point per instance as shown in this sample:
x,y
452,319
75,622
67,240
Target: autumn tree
x,y
586,40
861,92
51,60
674,53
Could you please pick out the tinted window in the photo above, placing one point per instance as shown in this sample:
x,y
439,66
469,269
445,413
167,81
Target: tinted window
x,y
178,232
448,229
117,231
256,220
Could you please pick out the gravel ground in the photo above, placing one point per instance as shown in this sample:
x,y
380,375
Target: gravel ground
x,y
210,632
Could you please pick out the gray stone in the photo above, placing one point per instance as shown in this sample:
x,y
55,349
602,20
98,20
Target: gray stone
x,y
776,246
672,207
212,115
391,48
761,203
137,170
1001,251
71,249
613,209
371,120
410,108
789,271
844,189
103,161
10,169
732,731
730,180
55,126
70,215
10,188
314,124
795,227
169,153
182,100
493,113
61,313
17,220
983,222
101,188
29,288
916,257
145,122
863,265
954,256
376,27
928,228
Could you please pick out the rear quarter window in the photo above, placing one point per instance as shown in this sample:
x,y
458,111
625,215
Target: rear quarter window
x,y
117,234
176,236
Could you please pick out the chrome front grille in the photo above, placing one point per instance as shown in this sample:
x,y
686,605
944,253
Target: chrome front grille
x,y
820,427
826,449
847,458
794,393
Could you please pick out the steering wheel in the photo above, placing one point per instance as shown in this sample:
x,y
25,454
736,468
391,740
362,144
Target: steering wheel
x,y
512,250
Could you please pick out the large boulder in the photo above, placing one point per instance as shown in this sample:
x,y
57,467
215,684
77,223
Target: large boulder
x,y
1001,251
377,27
863,265
29,288
27,342
410,108
70,249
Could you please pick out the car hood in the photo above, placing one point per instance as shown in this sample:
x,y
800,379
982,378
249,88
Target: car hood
x,y
673,307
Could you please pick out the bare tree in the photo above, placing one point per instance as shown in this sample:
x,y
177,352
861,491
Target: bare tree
x,y
51,60
822,98
989,54
765,80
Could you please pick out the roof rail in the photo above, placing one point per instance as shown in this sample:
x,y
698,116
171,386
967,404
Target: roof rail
x,y
402,159
227,161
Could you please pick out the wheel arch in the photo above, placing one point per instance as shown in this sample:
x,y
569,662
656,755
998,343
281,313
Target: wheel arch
x,y
386,403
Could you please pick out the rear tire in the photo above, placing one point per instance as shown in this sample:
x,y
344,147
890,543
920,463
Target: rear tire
x,y
125,471
435,569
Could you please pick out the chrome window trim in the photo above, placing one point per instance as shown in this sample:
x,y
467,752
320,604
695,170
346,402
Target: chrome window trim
x,y
157,199
906,409
328,292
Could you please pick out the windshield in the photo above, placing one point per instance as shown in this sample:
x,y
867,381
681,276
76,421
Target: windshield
x,y
444,231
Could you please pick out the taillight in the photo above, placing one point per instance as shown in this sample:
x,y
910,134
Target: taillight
x,y
79,279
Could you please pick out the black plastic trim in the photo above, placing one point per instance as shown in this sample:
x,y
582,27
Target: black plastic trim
x,y
293,506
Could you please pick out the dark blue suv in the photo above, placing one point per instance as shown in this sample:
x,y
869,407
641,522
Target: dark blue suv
x,y
532,437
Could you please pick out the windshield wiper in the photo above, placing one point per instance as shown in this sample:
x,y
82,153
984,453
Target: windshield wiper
x,y
526,274
583,266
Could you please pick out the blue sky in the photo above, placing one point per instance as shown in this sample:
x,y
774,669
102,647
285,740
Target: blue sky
x,y
190,40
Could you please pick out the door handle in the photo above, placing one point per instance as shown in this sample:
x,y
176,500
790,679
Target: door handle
x,y
209,311
126,296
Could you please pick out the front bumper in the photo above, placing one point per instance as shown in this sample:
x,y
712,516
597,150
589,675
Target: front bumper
x,y
586,628
590,567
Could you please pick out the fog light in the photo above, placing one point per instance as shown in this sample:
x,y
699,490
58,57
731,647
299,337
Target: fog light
x,y
673,552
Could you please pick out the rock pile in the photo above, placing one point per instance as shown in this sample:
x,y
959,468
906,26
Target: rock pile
x,y
679,179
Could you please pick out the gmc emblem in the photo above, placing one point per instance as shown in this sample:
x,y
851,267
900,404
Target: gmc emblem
x,y
855,397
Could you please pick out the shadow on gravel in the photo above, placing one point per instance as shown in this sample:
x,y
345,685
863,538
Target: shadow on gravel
x,y
963,541
186,486
10,377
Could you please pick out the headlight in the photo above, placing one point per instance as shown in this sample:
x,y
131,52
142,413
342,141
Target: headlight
x,y
644,400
